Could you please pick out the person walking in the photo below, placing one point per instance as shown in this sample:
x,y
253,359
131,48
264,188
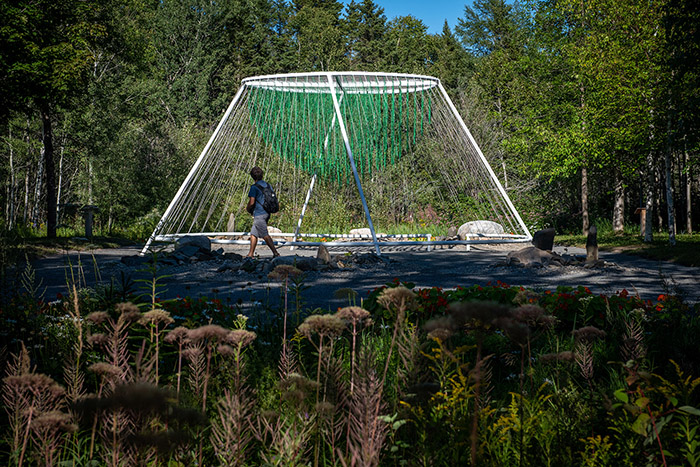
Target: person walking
x,y
256,199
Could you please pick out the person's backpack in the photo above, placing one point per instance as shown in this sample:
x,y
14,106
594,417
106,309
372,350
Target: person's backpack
x,y
271,205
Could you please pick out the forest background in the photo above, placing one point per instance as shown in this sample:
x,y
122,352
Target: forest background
x,y
586,109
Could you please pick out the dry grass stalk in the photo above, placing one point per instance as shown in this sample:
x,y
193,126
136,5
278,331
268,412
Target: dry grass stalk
x,y
156,320
179,337
399,300
286,439
29,397
15,407
73,374
47,430
231,430
355,317
196,365
332,419
205,340
367,433
140,423
583,350
115,371
633,347
283,273
408,350
329,326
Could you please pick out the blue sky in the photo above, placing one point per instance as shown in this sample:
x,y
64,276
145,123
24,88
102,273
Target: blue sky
x,y
432,12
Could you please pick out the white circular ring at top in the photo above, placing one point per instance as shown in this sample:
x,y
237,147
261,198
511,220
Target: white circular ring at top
x,y
353,82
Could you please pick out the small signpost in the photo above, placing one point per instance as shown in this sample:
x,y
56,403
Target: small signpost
x,y
88,210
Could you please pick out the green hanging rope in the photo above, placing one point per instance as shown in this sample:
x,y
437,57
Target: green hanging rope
x,y
302,128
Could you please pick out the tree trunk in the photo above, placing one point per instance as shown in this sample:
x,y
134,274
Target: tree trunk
x,y
89,167
669,185
60,180
26,176
26,197
10,216
35,213
649,221
659,196
688,192
619,205
584,199
50,171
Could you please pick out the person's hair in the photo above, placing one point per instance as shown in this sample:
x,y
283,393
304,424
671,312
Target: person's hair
x,y
256,173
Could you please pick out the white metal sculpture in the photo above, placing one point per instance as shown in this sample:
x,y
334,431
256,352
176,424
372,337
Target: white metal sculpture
x,y
382,130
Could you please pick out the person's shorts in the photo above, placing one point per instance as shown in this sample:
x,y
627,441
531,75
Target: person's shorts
x,y
260,226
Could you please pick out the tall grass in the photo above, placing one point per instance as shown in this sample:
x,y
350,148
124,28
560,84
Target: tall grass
x,y
478,376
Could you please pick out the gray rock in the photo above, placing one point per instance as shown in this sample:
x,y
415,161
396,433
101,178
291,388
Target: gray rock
x,y
544,239
452,231
594,264
188,251
323,254
233,256
530,257
303,263
168,261
368,259
204,255
198,240
592,244
229,266
307,264
248,265
479,227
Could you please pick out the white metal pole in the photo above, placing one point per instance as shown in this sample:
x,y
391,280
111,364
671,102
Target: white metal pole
x,y
303,209
341,125
196,165
483,159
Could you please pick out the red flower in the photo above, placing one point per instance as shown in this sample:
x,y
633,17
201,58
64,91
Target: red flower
x,y
662,298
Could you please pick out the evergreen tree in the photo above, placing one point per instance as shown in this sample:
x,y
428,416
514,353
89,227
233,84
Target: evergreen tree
x,y
318,36
451,63
407,46
495,34
366,25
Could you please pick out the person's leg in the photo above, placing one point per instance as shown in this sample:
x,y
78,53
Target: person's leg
x,y
271,244
253,243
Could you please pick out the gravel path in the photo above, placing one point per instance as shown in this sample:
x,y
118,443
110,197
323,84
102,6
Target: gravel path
x,y
448,267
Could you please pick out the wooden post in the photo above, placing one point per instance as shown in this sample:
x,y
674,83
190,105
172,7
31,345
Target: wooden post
x,y
642,219
88,210
592,245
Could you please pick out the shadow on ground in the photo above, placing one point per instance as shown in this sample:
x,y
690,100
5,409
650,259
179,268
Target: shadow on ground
x,y
446,268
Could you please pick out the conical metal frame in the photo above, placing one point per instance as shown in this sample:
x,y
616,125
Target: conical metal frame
x,y
330,82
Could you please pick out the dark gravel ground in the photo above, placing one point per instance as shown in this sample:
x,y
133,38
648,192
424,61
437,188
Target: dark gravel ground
x,y
447,267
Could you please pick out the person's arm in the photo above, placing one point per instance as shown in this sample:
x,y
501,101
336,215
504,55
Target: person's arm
x,y
251,205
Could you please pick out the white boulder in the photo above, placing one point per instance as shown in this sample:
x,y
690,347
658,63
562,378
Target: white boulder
x,y
364,232
479,227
